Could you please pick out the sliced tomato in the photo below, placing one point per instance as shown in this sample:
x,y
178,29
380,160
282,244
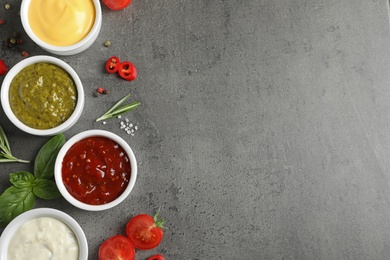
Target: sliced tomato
x,y
117,248
116,4
145,231
3,68
112,64
157,257
127,71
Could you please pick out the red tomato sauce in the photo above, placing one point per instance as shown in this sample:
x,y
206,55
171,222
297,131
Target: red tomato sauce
x,y
96,170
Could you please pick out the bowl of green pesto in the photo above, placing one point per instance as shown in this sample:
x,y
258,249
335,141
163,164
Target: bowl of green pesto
x,y
42,95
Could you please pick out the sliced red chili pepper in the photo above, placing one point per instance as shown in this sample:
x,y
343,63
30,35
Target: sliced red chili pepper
x,y
3,68
127,70
112,64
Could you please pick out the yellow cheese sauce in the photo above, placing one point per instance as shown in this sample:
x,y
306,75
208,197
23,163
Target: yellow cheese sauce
x,y
43,238
61,22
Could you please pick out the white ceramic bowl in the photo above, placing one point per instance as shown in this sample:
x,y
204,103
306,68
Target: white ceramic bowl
x,y
69,144
42,132
12,227
63,50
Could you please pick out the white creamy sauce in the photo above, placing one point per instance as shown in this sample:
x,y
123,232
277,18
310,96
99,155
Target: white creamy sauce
x,y
43,238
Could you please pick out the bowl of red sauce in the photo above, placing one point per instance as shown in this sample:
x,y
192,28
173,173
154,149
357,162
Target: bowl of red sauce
x,y
95,170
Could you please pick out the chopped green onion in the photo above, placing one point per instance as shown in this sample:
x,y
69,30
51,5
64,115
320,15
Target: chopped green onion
x,y
116,110
5,150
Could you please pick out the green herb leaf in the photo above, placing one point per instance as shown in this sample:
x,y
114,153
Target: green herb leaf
x,y
116,110
46,189
22,179
21,196
46,157
4,140
5,150
13,202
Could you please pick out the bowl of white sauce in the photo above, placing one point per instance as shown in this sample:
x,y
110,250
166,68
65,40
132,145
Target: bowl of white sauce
x,y
43,233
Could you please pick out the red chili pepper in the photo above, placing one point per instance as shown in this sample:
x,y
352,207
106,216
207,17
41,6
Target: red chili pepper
x,y
157,257
3,68
112,64
127,71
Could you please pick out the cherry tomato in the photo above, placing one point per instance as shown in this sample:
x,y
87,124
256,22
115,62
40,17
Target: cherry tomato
x,y
157,257
3,68
112,64
117,248
145,231
127,71
116,4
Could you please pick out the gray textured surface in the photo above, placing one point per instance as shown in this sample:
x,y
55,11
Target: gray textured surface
x,y
264,126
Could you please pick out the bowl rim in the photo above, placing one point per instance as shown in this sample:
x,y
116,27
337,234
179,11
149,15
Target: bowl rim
x,y
11,228
61,49
29,61
80,136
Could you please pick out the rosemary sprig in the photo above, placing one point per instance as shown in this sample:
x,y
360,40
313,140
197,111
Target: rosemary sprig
x,y
5,150
116,110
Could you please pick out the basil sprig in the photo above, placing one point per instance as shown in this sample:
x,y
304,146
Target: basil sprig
x,y
26,186
5,150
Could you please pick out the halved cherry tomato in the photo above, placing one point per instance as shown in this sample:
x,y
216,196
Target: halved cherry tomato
x,y
116,4
117,248
127,71
3,68
157,257
112,64
145,231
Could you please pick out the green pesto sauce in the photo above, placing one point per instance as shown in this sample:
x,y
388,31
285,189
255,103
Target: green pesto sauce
x,y
42,95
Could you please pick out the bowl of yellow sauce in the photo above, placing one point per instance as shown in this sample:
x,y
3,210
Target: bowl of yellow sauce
x,y
42,95
62,27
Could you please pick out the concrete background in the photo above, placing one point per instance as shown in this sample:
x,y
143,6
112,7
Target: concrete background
x,y
263,130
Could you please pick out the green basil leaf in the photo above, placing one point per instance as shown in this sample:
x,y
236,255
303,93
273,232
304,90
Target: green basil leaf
x,y
46,157
22,179
46,189
13,202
